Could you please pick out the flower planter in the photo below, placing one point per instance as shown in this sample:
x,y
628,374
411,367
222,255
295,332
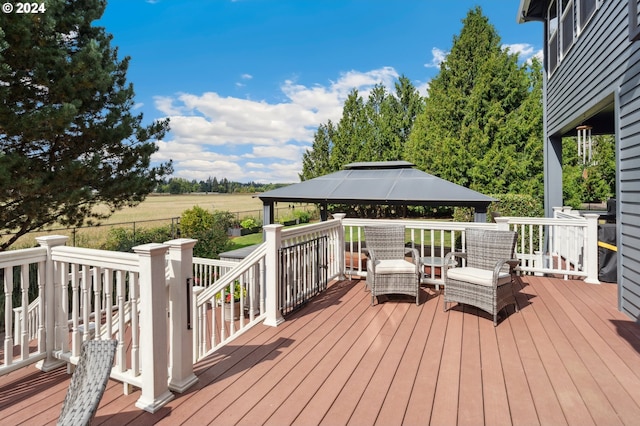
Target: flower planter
x,y
247,231
234,232
227,311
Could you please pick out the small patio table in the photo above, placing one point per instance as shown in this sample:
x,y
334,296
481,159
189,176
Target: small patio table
x,y
432,262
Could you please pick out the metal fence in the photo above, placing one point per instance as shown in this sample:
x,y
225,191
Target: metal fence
x,y
94,236
303,272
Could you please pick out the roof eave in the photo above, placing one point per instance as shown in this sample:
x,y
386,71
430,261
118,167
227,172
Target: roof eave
x,y
531,10
448,203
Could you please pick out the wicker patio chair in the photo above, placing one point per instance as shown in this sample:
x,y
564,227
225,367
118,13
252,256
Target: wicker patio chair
x,y
388,272
487,279
88,382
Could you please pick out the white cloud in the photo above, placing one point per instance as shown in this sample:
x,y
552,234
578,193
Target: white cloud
x,y
243,139
439,56
539,55
525,51
285,152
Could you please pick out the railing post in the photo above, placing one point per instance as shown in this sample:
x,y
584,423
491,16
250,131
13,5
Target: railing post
x,y
196,324
153,327
591,248
341,245
502,222
273,238
48,304
181,375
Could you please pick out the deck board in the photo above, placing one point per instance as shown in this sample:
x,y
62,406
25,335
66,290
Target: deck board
x,y
568,357
471,406
403,383
594,397
494,389
601,364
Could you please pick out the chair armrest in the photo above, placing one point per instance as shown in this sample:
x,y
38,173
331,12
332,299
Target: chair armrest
x,y
415,256
513,263
450,256
371,254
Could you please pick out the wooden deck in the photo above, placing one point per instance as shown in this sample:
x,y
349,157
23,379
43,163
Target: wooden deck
x,y
568,357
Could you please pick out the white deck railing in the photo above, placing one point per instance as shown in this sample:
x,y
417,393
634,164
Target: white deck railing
x,y
571,249
93,294
18,269
147,299
217,317
255,280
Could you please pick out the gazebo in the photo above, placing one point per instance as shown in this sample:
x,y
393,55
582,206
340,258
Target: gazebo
x,y
377,183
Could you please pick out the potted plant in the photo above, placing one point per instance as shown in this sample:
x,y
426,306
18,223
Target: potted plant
x,y
249,226
288,220
231,301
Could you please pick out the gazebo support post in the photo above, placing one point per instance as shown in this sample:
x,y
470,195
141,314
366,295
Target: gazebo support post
x,y
267,213
480,214
323,212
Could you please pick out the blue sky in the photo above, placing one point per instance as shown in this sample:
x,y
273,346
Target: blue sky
x,y
246,82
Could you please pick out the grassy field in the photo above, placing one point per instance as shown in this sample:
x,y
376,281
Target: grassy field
x,y
167,206
158,210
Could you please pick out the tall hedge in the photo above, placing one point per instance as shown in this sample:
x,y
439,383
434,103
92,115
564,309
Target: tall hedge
x,y
519,205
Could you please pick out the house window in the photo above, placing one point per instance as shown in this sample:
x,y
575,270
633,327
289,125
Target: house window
x,y
552,36
634,30
567,25
566,19
586,10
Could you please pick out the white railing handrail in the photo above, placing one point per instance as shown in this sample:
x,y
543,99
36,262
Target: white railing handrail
x,y
22,257
438,225
300,231
238,268
214,262
100,258
581,221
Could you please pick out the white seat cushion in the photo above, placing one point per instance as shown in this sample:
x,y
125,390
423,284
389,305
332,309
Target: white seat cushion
x,y
477,276
392,266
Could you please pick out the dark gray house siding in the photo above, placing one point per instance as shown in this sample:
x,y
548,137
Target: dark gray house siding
x,y
597,82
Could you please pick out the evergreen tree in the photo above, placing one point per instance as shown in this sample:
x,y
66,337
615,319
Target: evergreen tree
x,y
466,133
375,130
407,105
316,161
350,135
68,138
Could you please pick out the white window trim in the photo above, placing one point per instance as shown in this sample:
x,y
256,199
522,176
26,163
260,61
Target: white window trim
x,y
570,8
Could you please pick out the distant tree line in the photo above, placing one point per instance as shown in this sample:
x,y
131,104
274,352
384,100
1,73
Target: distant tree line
x,y
212,184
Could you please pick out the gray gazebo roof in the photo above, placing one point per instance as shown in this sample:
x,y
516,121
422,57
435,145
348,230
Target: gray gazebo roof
x,y
390,182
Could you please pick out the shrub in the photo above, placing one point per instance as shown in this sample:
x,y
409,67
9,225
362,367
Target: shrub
x,y
519,205
124,239
303,216
210,229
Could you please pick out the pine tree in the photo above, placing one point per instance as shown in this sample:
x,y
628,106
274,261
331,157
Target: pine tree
x,y
68,138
